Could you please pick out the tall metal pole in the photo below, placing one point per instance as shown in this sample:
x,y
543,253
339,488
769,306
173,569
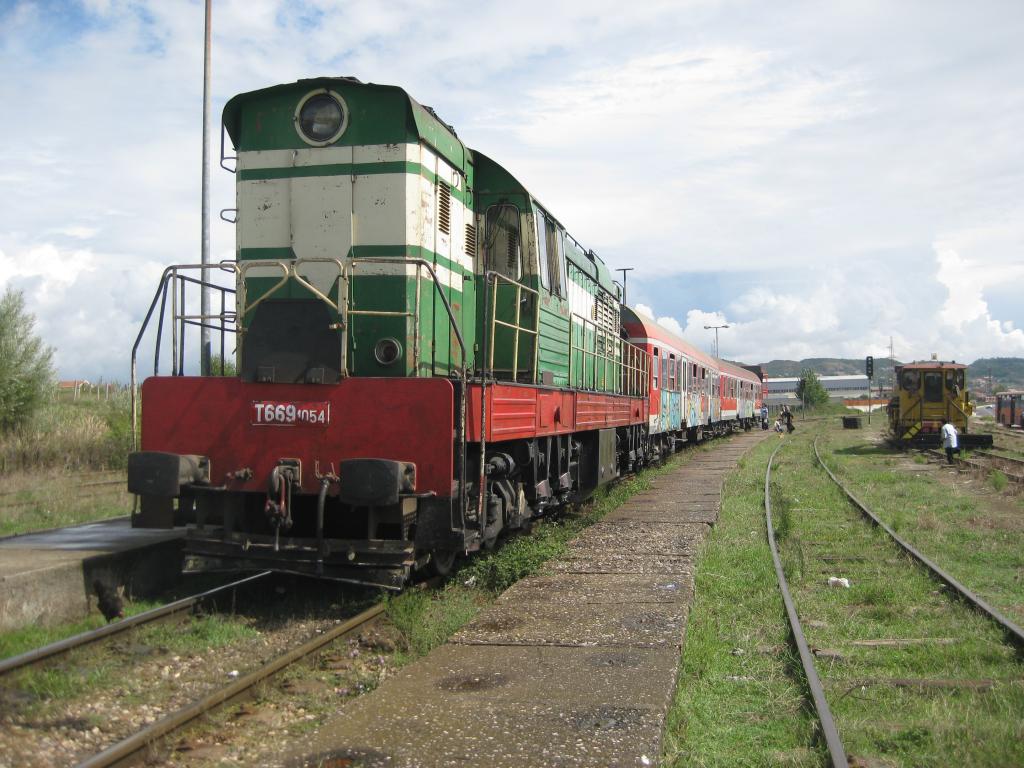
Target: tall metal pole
x,y
716,327
204,308
624,270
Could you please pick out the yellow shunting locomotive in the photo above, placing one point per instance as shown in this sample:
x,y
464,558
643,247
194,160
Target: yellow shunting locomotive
x,y
925,393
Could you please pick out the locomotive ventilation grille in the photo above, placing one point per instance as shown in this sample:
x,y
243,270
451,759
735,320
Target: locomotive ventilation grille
x,y
470,240
444,207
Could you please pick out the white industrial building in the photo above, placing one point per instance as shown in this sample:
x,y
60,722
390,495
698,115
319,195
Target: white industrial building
x,y
783,390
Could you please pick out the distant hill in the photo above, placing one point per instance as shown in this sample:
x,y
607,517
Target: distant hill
x,y
826,366
1006,372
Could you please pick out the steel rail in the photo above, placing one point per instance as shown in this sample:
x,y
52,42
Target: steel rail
x,y
126,750
837,754
77,641
1015,633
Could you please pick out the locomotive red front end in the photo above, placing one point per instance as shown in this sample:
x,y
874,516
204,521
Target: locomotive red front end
x,y
324,480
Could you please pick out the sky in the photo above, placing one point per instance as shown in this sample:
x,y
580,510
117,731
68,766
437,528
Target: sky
x,y
821,177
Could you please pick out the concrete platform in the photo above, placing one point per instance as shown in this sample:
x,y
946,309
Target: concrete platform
x,y
574,666
46,578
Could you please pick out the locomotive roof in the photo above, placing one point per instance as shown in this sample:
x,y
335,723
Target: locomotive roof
x,y
420,120
640,326
924,365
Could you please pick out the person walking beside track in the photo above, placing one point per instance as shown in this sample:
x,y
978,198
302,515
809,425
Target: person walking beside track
x,y
949,440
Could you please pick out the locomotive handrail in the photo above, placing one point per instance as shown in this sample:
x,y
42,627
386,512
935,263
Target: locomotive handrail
x,y
290,271
603,355
182,319
423,263
494,277
636,370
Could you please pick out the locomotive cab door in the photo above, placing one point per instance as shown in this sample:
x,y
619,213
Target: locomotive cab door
x,y
510,319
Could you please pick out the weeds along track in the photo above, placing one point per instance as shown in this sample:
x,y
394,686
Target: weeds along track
x,y
901,669
1014,633
987,461
132,748
836,750
60,647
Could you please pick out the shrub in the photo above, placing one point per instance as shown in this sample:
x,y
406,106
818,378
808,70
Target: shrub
x,y
26,367
999,479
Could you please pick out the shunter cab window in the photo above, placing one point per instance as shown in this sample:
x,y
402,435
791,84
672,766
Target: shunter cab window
x,y
933,387
502,242
549,257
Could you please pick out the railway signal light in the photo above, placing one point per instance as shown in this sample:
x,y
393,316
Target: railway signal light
x,y
869,366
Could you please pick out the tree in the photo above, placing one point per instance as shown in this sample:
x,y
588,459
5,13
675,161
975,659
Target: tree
x,y
26,364
222,367
810,391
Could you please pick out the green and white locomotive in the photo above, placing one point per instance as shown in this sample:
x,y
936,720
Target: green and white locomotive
x,y
426,358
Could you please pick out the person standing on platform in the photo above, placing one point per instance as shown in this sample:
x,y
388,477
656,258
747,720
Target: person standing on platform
x,y
949,440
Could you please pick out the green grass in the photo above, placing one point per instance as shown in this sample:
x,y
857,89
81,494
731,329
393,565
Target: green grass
x,y
40,460
197,634
998,480
739,699
976,536
892,598
27,638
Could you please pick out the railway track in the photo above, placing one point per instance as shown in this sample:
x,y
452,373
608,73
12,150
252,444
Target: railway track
x,y
134,748
836,750
837,754
60,647
1013,632
987,461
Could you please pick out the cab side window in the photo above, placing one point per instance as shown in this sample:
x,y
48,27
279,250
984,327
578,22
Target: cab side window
x,y
549,254
503,251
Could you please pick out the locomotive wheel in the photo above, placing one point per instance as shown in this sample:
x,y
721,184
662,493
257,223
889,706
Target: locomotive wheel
x,y
442,561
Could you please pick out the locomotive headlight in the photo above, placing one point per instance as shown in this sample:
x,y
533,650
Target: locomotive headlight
x,y
387,351
320,118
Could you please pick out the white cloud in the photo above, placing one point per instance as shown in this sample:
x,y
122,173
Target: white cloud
x,y
669,141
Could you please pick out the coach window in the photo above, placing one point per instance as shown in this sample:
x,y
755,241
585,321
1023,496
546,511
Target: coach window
x,y
672,364
655,362
502,242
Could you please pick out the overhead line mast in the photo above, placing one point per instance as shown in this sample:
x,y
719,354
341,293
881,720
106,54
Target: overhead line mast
x,y
204,304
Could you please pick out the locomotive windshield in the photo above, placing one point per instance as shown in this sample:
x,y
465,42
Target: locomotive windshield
x,y
933,387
